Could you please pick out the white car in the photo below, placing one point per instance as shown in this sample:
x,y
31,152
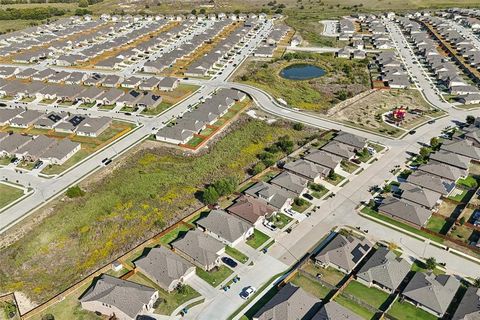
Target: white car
x,y
247,293
371,150
269,225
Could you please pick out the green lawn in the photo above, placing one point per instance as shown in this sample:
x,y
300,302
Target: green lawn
x,y
407,311
236,254
372,296
468,182
314,287
281,220
460,197
353,306
329,275
306,204
9,194
334,179
149,190
215,276
157,110
257,239
173,234
76,158
419,266
195,141
436,224
348,166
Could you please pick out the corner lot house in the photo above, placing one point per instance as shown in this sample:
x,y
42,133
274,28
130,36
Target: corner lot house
x,y
384,270
226,227
343,253
165,268
62,151
200,249
431,293
290,302
351,140
412,214
93,127
115,297
290,182
324,159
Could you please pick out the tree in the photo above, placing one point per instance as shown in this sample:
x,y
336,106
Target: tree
x,y
83,3
476,282
424,152
285,144
75,192
431,263
435,143
300,201
202,11
392,246
194,11
210,195
470,119
298,126
225,186
259,167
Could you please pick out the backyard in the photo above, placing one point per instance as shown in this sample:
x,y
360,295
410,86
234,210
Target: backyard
x,y
310,285
147,191
344,78
407,311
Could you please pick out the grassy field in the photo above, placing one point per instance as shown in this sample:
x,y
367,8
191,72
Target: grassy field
x,y
151,189
344,78
8,194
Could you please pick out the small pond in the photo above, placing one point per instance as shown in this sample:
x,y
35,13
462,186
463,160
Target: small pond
x,y
301,71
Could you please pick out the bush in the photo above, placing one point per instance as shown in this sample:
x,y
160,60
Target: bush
x,y
83,3
316,187
75,192
210,195
298,126
300,201
259,167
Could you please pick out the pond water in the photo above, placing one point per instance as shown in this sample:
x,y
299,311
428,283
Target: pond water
x,y
301,72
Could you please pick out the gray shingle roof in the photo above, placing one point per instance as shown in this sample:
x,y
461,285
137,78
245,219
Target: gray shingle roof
x,y
290,303
443,170
306,169
225,225
406,211
431,182
419,195
334,311
469,306
129,297
290,182
344,251
384,268
324,159
462,147
271,194
434,292
163,266
451,159
199,246
339,149
351,140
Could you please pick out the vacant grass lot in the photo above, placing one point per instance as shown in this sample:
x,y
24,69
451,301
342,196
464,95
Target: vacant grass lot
x,y
151,190
8,194
343,78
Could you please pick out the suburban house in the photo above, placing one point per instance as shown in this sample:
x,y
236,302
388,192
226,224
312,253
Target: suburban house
x,y
227,228
339,149
200,249
443,171
469,306
123,299
334,311
165,268
324,159
411,214
290,182
343,252
93,127
50,120
307,170
420,196
462,147
252,210
384,270
431,182
290,302
351,140
60,152
451,159
25,119
430,292
271,194
168,84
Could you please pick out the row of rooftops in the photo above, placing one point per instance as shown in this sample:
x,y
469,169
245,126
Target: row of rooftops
x,y
444,69
392,70
275,35
424,188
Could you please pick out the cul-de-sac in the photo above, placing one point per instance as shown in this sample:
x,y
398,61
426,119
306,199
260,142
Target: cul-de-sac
x,y
239,160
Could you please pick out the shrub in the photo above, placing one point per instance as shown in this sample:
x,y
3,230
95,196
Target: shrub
x,y
298,126
75,192
300,201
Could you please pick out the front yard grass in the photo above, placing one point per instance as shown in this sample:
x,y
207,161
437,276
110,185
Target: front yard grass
x,y
372,296
257,239
436,224
9,194
407,311
314,287
236,254
215,276
348,166
334,179
302,207
459,196
281,220
419,266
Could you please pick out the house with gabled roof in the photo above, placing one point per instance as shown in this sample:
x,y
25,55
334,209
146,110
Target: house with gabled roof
x,y
291,302
343,252
324,159
290,182
430,292
420,196
443,171
462,147
351,139
429,181
165,268
123,299
469,306
227,228
384,270
273,195
339,149
250,209
451,159
335,311
200,249
409,213
307,170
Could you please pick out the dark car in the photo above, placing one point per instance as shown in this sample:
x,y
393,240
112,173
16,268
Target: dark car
x,y
229,262
412,132
308,196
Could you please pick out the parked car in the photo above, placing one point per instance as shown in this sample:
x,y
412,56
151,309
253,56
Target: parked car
x,y
269,225
371,150
15,161
38,164
229,262
247,292
308,196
